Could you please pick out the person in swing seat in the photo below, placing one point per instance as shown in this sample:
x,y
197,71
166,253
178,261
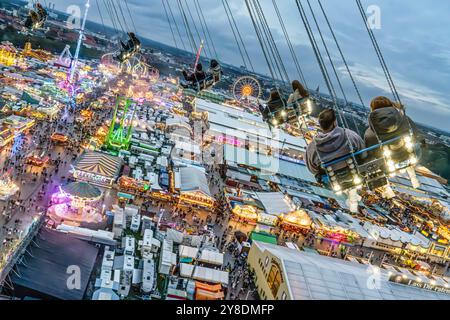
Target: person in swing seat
x,y
195,77
273,112
388,121
333,143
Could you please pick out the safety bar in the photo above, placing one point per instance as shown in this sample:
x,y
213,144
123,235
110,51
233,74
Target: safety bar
x,y
343,158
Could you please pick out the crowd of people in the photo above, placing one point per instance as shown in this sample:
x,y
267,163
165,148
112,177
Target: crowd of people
x,y
40,182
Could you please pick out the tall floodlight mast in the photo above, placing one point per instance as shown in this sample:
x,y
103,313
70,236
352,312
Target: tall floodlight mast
x,y
80,40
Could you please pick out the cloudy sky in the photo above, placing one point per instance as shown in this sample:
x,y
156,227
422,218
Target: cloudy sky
x,y
413,37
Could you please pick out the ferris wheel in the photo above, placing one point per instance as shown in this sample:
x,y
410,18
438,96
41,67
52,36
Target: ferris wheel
x,y
247,87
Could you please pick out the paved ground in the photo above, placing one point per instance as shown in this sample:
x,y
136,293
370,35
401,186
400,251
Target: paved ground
x,y
36,184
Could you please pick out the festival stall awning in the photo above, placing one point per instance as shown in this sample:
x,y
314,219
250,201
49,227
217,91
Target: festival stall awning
x,y
206,256
82,190
194,180
263,237
204,274
206,295
299,218
275,203
99,163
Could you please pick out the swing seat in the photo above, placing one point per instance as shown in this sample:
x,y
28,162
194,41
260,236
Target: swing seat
x,y
198,86
290,114
343,174
399,153
34,21
36,18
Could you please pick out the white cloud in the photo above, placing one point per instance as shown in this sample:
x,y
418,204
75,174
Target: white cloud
x,y
416,96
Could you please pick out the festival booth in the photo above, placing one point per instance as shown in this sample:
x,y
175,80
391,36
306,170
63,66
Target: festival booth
x,y
203,274
18,124
194,189
245,213
85,115
50,112
60,138
296,221
328,229
132,185
204,291
207,257
161,195
97,168
6,136
396,240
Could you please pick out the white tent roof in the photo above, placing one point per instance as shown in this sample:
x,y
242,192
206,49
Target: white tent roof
x,y
275,203
175,236
315,277
212,257
188,252
204,274
207,256
193,179
396,235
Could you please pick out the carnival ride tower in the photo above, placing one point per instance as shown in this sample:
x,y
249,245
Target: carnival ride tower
x,y
119,135
80,40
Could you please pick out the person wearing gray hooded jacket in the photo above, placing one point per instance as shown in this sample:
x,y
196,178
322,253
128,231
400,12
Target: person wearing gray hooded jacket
x,y
332,143
387,120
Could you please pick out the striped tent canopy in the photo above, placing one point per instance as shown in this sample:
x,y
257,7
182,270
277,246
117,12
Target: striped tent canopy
x,y
82,190
99,163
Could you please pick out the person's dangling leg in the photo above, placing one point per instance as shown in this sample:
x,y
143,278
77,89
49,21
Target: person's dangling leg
x,y
353,200
413,177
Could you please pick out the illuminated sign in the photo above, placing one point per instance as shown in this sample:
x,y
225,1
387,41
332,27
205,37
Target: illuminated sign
x,y
229,140
289,159
419,284
90,177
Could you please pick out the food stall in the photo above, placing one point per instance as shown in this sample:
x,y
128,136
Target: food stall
x,y
132,185
60,138
296,221
245,213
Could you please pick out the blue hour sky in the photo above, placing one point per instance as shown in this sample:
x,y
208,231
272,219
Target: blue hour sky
x,y
413,38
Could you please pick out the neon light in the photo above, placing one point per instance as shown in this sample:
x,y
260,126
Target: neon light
x,y
229,140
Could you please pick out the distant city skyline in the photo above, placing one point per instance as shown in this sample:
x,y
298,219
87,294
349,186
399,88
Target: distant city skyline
x,y
413,37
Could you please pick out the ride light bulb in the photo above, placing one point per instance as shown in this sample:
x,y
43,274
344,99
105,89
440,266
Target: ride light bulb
x,y
283,114
357,180
274,122
337,188
409,146
387,153
407,139
413,160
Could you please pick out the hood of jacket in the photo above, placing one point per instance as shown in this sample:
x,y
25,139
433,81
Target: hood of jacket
x,y
387,120
331,142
